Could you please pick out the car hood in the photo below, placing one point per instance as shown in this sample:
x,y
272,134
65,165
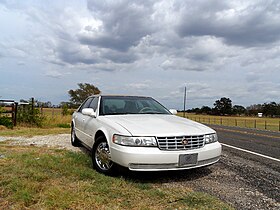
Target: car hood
x,y
159,125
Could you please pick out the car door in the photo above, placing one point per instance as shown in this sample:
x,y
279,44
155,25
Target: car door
x,y
79,120
90,123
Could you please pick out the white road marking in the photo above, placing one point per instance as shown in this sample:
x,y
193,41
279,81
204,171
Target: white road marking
x,y
248,151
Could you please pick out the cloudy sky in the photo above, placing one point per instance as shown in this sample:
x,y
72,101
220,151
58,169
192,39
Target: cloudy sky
x,y
156,48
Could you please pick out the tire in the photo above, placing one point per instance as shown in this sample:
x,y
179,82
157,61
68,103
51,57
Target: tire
x,y
101,158
74,140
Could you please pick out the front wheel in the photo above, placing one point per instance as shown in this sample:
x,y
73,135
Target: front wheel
x,y
101,156
74,140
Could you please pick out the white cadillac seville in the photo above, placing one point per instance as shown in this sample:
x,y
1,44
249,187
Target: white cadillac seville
x,y
141,134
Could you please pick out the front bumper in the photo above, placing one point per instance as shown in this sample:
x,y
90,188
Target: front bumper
x,y
154,159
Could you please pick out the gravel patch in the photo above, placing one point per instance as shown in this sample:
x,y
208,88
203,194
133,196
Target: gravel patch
x,y
243,183
61,141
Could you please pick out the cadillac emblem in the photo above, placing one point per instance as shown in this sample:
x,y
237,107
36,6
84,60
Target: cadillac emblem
x,y
185,142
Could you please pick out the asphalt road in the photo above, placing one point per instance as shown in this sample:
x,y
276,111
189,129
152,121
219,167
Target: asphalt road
x,y
263,142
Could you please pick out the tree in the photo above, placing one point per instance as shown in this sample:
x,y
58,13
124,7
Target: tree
x,y
254,109
270,109
205,110
238,109
223,106
85,90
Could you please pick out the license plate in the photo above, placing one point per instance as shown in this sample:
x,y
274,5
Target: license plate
x,y
188,159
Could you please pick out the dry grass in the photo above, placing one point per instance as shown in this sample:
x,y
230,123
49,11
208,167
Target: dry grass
x,y
54,123
53,117
42,178
57,120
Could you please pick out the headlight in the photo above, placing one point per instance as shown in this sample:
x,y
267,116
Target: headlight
x,y
210,138
140,141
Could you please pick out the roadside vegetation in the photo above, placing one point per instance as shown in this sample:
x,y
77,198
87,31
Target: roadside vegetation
x,y
259,116
44,117
265,123
224,107
48,121
43,178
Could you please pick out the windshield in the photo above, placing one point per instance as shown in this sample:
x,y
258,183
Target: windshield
x,y
114,105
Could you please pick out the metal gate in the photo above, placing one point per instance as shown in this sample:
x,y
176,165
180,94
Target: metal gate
x,y
10,109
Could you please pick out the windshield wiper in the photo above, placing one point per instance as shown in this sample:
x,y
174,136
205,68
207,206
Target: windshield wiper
x,y
116,113
152,113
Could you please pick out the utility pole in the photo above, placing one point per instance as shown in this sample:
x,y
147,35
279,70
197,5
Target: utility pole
x,y
185,98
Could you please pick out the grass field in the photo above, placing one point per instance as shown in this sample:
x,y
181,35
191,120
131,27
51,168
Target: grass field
x,y
32,131
54,123
43,178
248,122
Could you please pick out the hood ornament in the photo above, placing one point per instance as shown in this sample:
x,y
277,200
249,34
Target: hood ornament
x,y
185,142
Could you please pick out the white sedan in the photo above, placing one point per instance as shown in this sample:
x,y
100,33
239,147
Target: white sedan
x,y
141,134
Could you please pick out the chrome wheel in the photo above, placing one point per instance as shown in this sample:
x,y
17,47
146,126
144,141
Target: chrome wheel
x,y
103,157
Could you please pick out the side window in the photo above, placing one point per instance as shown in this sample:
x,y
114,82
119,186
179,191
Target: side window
x,y
85,104
94,103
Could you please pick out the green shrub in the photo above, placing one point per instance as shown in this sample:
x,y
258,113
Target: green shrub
x,y
65,110
63,125
29,116
6,121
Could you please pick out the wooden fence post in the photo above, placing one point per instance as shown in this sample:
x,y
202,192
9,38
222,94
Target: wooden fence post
x,y
52,112
265,124
15,114
255,126
32,106
221,121
236,122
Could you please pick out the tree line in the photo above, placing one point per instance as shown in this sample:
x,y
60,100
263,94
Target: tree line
x,y
77,97
224,106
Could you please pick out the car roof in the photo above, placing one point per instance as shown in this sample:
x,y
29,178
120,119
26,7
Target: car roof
x,y
115,95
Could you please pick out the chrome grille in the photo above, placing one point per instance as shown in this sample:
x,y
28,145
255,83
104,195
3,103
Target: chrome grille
x,y
175,142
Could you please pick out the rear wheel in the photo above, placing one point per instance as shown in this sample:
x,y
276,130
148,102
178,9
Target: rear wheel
x,y
101,156
74,140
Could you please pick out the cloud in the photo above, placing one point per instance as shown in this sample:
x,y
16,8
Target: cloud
x,y
117,33
20,63
268,90
182,64
240,23
138,86
124,23
217,48
53,74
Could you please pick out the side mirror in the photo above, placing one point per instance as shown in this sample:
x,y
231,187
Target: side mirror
x,y
173,111
89,112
